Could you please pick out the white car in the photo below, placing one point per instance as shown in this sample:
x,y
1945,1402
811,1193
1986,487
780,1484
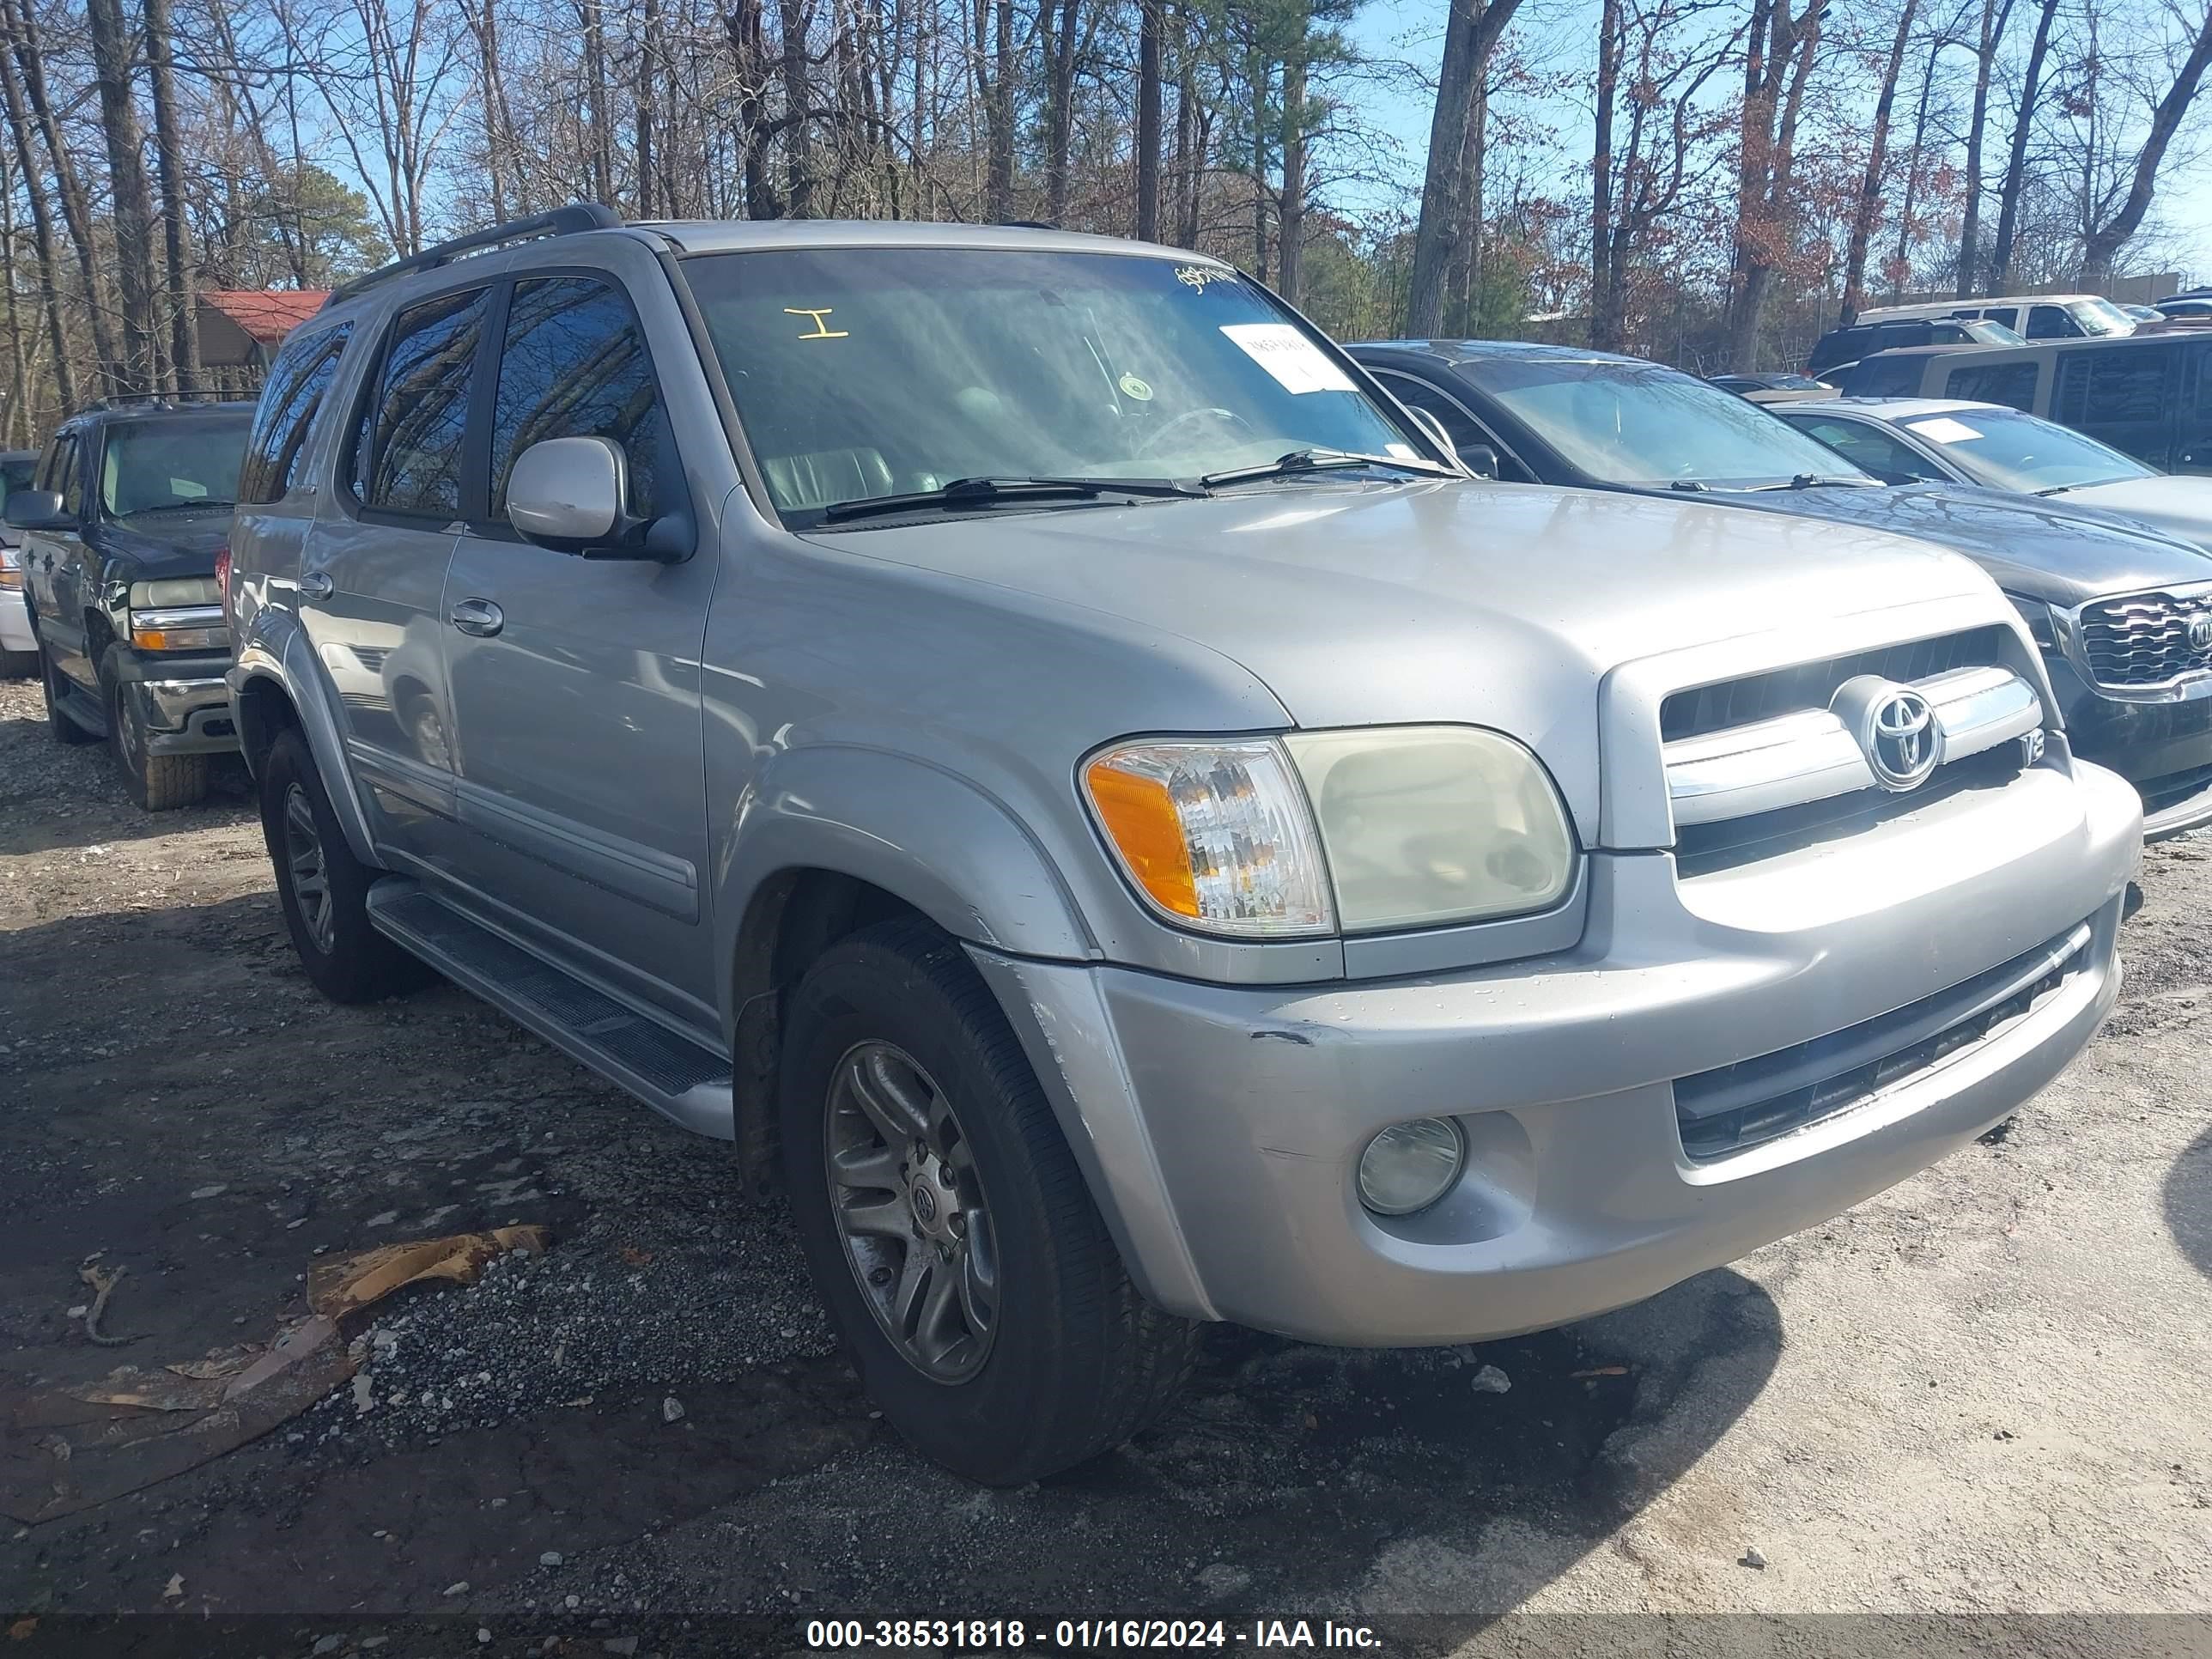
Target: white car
x,y
1913,440
18,650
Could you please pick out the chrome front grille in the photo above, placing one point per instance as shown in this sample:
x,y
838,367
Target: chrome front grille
x,y
1808,686
1788,761
2144,639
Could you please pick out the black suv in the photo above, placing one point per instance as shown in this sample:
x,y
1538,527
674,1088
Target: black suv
x,y
1839,346
122,526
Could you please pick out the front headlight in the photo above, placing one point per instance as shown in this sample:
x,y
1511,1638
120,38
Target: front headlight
x,y
1215,835
175,592
1394,827
1424,825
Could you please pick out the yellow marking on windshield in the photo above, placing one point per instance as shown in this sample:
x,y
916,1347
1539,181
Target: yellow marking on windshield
x,y
821,329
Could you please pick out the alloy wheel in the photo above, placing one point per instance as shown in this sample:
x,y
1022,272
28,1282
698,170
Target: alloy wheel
x,y
310,869
909,1209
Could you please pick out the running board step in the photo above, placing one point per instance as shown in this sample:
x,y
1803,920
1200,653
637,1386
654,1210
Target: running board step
x,y
668,1072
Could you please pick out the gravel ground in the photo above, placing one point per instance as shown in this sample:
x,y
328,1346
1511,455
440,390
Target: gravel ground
x,y
1979,1392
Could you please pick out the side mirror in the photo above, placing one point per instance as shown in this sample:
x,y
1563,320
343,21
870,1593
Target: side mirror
x,y
37,509
1435,427
1479,459
567,493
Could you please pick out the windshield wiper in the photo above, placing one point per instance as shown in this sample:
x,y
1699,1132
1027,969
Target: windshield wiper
x,y
963,493
1816,481
176,506
1323,461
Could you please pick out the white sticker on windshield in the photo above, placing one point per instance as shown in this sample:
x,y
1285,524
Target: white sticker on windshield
x,y
1944,430
1288,355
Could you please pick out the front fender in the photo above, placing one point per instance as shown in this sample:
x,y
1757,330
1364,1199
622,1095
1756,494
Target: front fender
x,y
915,830
278,650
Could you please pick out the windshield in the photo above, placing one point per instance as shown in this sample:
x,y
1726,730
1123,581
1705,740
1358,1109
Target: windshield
x,y
2101,317
146,465
2008,450
870,372
1637,424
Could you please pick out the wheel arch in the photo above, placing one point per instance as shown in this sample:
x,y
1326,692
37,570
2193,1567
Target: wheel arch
x,y
274,685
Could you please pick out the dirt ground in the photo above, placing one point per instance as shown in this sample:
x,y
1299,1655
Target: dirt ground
x,y
1985,1392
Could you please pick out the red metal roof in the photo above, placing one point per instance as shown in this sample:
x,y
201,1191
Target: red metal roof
x,y
265,315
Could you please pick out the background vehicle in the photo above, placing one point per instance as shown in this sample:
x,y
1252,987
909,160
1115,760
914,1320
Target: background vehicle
x,y
1780,380
1015,730
2033,316
18,650
1864,338
2132,668
2150,395
121,529
1928,440
2192,310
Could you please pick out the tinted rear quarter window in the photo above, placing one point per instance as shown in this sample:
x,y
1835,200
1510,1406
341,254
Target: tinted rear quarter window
x,y
574,365
2105,388
2010,384
407,451
298,382
1885,377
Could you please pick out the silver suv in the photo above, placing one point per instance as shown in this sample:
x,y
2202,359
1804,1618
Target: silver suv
x,y
1019,733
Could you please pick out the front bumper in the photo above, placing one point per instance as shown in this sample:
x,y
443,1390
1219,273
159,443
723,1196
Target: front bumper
x,y
182,703
1221,1126
2162,747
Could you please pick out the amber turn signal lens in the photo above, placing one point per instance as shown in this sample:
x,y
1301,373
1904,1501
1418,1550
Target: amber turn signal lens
x,y
1139,818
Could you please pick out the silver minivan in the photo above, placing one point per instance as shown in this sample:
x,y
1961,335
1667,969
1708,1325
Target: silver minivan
x,y
1022,736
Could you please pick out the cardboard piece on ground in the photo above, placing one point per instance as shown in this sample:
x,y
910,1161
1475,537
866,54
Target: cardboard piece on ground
x,y
65,1450
345,1287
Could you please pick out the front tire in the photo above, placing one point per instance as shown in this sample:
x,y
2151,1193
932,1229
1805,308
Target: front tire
x,y
322,888
947,1226
158,783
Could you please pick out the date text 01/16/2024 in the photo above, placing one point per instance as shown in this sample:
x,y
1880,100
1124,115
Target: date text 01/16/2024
x,y
1085,1634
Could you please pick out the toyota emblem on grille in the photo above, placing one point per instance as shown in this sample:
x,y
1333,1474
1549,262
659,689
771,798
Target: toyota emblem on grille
x,y
1901,739
2200,630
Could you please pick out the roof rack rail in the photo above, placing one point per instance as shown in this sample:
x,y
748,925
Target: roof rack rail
x,y
561,222
139,400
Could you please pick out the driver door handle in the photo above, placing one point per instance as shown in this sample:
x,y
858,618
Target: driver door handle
x,y
479,616
315,584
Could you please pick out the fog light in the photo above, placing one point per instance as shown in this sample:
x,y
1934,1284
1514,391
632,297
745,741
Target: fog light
x,y
1409,1166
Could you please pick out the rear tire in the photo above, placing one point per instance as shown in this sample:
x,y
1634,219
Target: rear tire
x,y
63,730
158,783
1041,1354
322,888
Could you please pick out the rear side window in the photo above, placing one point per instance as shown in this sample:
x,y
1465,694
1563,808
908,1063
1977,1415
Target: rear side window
x,y
1885,377
2012,384
2008,315
298,382
574,365
407,450
2105,388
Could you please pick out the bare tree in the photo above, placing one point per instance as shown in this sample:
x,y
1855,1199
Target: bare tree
x,y
2106,240
1996,13
2031,88
1870,201
1471,34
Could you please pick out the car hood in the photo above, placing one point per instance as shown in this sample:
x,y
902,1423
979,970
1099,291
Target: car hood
x,y
2180,506
168,545
2043,547
1496,605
